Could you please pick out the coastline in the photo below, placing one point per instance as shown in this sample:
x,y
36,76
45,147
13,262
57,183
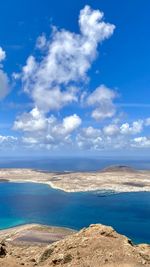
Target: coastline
x,y
111,179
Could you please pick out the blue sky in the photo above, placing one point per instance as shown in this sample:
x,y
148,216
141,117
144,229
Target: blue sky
x,y
74,77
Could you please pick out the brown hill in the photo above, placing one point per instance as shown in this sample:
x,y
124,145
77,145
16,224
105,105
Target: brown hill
x,y
119,168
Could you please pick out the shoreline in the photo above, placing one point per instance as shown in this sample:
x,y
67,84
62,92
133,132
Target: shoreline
x,y
96,190
34,233
26,225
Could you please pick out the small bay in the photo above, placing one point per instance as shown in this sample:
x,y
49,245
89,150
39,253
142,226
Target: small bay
x,y
128,213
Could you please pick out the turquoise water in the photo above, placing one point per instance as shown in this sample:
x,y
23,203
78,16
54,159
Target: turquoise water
x,y
128,213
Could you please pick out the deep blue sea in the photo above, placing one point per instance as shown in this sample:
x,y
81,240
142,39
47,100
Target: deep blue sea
x,y
72,164
21,203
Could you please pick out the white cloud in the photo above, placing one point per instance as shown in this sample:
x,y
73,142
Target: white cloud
x,y
89,138
112,136
137,127
92,25
70,123
46,131
30,122
67,58
53,79
102,98
94,139
2,54
92,132
111,129
36,121
54,99
63,130
7,138
141,142
51,133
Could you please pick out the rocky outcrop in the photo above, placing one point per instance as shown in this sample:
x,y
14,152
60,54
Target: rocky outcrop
x,y
95,246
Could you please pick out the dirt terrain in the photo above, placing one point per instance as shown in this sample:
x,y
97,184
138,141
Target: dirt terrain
x,y
96,246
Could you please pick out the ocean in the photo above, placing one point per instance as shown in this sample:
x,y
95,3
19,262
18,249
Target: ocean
x,y
72,163
21,203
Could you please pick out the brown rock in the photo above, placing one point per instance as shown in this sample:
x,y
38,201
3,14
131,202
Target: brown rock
x,y
3,251
98,246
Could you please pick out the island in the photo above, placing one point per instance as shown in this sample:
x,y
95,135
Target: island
x,y
114,178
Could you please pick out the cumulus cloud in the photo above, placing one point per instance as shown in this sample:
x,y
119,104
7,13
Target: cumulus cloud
x,y
141,142
30,122
135,128
92,26
70,123
111,129
102,99
67,59
96,139
52,133
46,131
89,138
53,78
113,136
54,99
36,121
